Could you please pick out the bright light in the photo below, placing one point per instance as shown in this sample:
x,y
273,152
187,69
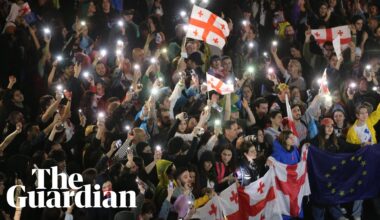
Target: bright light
x,y
164,50
80,110
153,60
185,27
368,67
160,79
193,1
270,70
118,52
229,81
206,108
103,52
217,122
136,66
59,87
101,115
265,54
250,44
119,43
120,23
374,88
59,58
83,23
244,22
182,13
251,69
274,43
47,30
328,98
154,91
158,148
127,128
86,74
353,85
205,1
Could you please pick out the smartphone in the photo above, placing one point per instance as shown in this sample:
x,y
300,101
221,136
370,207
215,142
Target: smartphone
x,y
119,143
171,185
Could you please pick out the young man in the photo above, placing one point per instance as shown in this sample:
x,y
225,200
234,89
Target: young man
x,y
362,131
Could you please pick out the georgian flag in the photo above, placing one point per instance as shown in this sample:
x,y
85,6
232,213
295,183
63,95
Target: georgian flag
x,y
258,200
213,210
292,184
291,124
206,26
323,88
218,85
323,35
229,200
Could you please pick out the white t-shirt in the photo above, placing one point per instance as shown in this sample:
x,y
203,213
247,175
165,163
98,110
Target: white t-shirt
x,y
364,133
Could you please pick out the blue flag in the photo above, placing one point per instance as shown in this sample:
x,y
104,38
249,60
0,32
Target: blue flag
x,y
344,177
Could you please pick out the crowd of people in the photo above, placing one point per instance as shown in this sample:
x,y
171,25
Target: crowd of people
x,y
113,90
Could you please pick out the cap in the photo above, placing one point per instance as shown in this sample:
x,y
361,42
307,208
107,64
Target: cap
x,y
327,121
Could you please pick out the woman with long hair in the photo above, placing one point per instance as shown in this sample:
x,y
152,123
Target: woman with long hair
x,y
225,168
247,171
327,140
207,172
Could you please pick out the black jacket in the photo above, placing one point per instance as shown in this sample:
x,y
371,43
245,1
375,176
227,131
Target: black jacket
x,y
247,172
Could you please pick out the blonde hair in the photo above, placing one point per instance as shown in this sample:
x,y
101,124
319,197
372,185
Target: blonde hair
x,y
297,64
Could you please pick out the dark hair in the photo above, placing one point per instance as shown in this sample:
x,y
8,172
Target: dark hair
x,y
259,101
174,145
284,135
274,113
58,155
148,207
179,171
89,176
45,102
244,148
228,124
322,139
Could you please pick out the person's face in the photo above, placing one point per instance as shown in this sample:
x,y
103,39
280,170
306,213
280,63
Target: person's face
x,y
147,150
373,23
185,178
18,97
166,103
251,154
193,176
182,126
293,69
295,53
190,48
329,129
233,131
69,71
296,112
227,65
262,109
35,130
192,123
277,120
289,31
91,7
323,11
362,115
296,94
363,86
373,10
100,89
165,117
359,25
226,156
128,18
100,69
106,6
282,94
290,140
216,64
333,61
339,117
328,50
332,3
247,93
234,115
207,165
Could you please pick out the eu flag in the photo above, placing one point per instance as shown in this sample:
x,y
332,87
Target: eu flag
x,y
344,177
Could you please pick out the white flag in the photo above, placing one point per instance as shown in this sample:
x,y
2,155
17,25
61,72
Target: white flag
x,y
218,85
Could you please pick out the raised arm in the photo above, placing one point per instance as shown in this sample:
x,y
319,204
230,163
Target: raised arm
x,y
279,62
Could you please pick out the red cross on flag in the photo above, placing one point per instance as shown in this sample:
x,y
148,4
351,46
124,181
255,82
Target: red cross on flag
x,y
323,35
218,85
258,200
229,199
292,184
206,26
211,211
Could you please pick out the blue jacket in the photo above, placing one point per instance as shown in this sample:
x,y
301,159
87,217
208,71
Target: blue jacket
x,y
284,156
